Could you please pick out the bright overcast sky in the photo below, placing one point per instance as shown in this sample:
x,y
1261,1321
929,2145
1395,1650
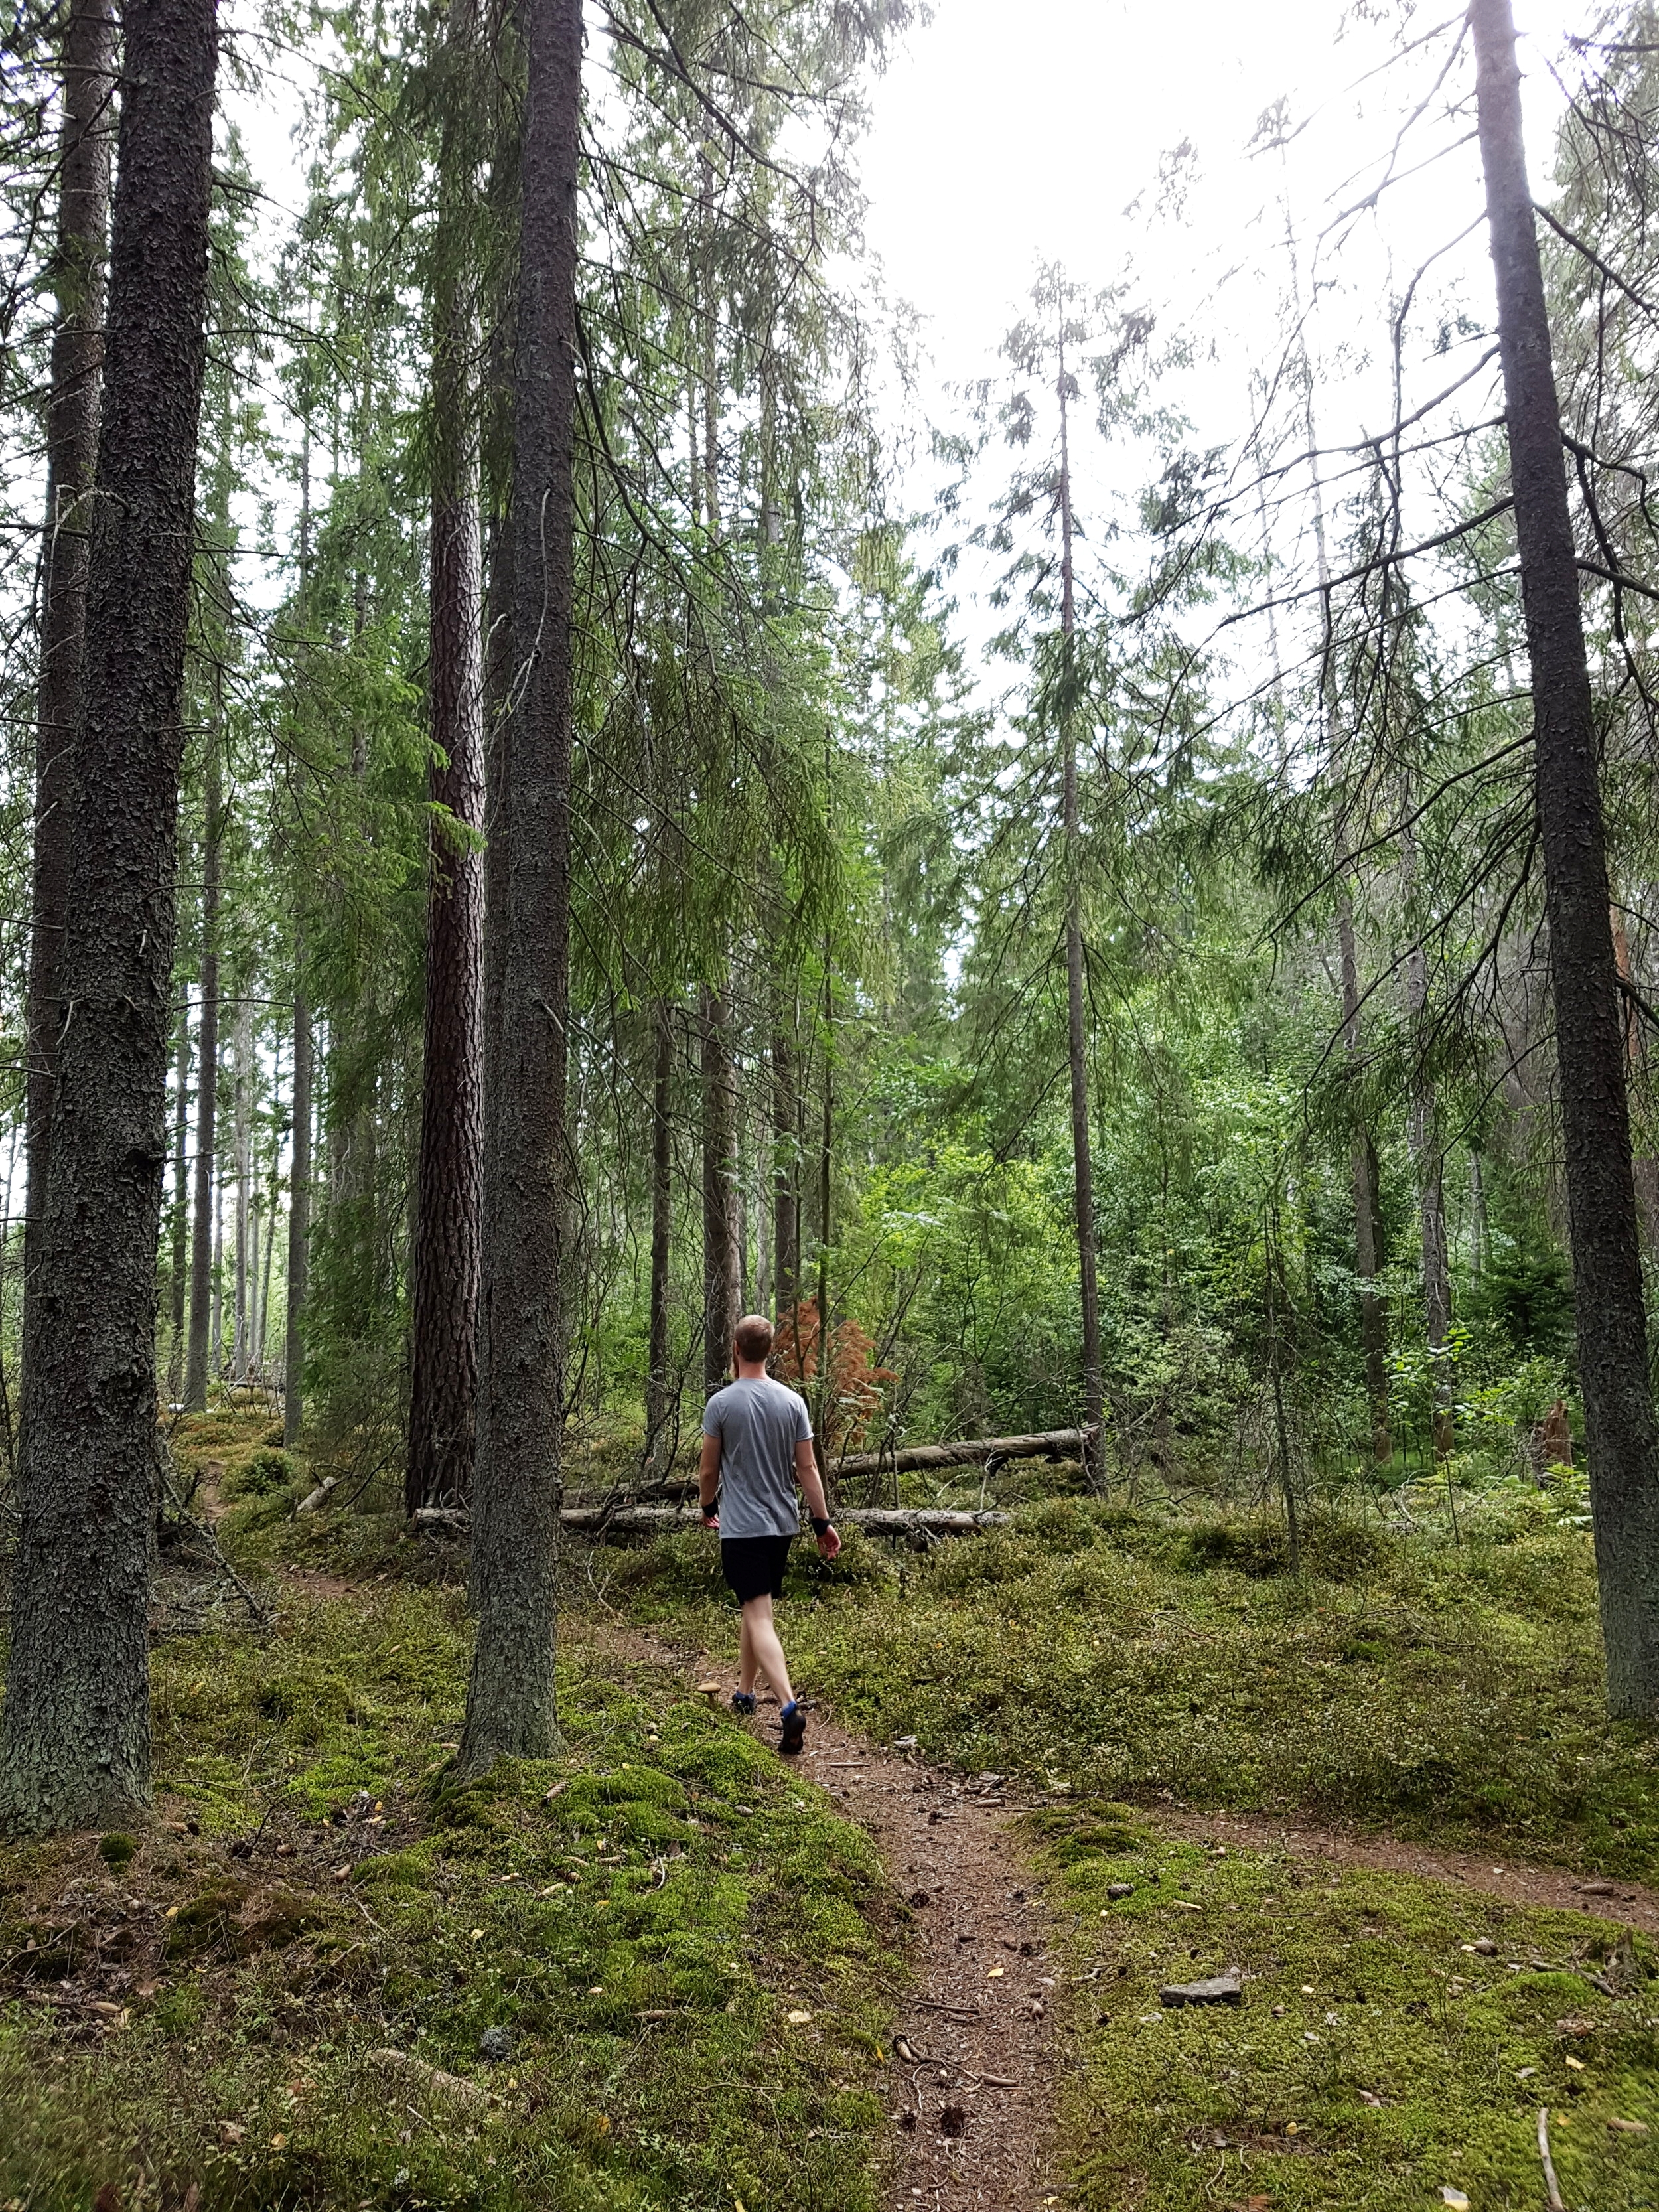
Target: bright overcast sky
x,y
1003,135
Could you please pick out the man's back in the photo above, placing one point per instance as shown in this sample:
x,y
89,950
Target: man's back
x,y
759,1423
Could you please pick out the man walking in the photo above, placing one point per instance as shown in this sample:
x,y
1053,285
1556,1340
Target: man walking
x,y
756,1446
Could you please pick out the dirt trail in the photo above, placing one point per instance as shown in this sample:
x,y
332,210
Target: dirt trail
x,y
1516,1883
973,2107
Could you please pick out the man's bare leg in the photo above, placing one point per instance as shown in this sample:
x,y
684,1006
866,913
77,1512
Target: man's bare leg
x,y
760,1651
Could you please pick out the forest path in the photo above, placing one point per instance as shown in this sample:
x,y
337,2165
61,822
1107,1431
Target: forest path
x,y
973,2106
1516,1881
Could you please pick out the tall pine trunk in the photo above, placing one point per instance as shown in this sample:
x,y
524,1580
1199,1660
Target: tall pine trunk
x,y
179,1225
719,1291
298,1210
1611,1324
202,1255
72,407
1076,1004
659,1383
444,1352
786,1172
1367,1212
242,1138
511,1704
76,1714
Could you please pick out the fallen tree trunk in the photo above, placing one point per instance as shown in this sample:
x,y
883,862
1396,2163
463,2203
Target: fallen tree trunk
x,y
657,1520
968,1452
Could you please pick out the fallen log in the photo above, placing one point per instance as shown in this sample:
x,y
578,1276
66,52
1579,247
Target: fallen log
x,y
656,1520
968,1452
315,1499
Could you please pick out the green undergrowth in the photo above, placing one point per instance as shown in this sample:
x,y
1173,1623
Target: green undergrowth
x,y
1445,1689
630,1925
1377,2058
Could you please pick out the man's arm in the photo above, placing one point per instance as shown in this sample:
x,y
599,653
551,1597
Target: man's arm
x,y
811,1484
708,1479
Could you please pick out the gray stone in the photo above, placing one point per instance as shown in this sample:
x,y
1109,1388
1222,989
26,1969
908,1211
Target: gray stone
x,y
495,2042
1120,1889
1222,1988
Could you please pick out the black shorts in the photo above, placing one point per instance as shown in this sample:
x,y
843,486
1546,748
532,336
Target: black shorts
x,y
753,1565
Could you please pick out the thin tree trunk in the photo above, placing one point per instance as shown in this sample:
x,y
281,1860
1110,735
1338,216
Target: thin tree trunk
x,y
218,1345
1611,1323
786,1173
1645,1166
204,1259
1076,1008
511,1703
658,1383
1367,1213
1476,1218
826,1166
444,1338
298,1210
179,1260
76,275
242,1050
76,1746
720,1303
1424,1139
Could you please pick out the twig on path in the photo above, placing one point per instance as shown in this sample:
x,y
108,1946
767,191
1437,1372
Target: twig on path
x,y
1550,2181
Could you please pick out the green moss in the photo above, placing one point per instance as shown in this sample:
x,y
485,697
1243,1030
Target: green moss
x,y
1434,1687
116,1851
642,1913
1377,2057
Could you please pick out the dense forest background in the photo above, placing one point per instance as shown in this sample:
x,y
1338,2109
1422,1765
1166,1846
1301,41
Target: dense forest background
x,y
858,789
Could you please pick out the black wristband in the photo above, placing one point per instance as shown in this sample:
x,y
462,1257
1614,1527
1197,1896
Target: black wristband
x,y
820,1526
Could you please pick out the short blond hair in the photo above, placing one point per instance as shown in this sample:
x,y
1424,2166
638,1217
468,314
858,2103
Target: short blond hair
x,y
753,1337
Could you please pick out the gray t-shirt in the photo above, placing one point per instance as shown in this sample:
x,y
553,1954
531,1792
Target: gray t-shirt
x,y
759,1425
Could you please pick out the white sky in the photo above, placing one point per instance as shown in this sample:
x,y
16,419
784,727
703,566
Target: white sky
x,y
1004,134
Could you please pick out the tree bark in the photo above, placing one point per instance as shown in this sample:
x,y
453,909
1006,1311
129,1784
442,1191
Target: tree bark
x,y
1611,1323
242,1138
76,1714
203,1256
76,275
511,1703
720,1303
786,1173
659,1383
298,1210
1076,1008
179,1255
1367,1215
445,1341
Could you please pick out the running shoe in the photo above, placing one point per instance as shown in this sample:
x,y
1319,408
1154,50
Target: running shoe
x,y
792,1722
742,1704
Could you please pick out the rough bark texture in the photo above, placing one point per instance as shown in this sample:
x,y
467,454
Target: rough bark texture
x,y
76,1714
1076,1008
786,1173
1368,1243
78,352
511,1706
179,1226
241,1340
299,1211
1611,1325
202,1254
659,1383
449,1191
719,1249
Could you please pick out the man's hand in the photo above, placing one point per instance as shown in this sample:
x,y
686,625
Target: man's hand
x,y
711,1518
830,1543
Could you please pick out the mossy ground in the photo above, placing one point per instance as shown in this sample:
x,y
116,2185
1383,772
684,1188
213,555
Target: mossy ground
x,y
1441,1689
1377,2057
643,1935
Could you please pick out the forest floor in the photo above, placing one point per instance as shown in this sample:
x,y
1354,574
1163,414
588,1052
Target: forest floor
x,y
670,1969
